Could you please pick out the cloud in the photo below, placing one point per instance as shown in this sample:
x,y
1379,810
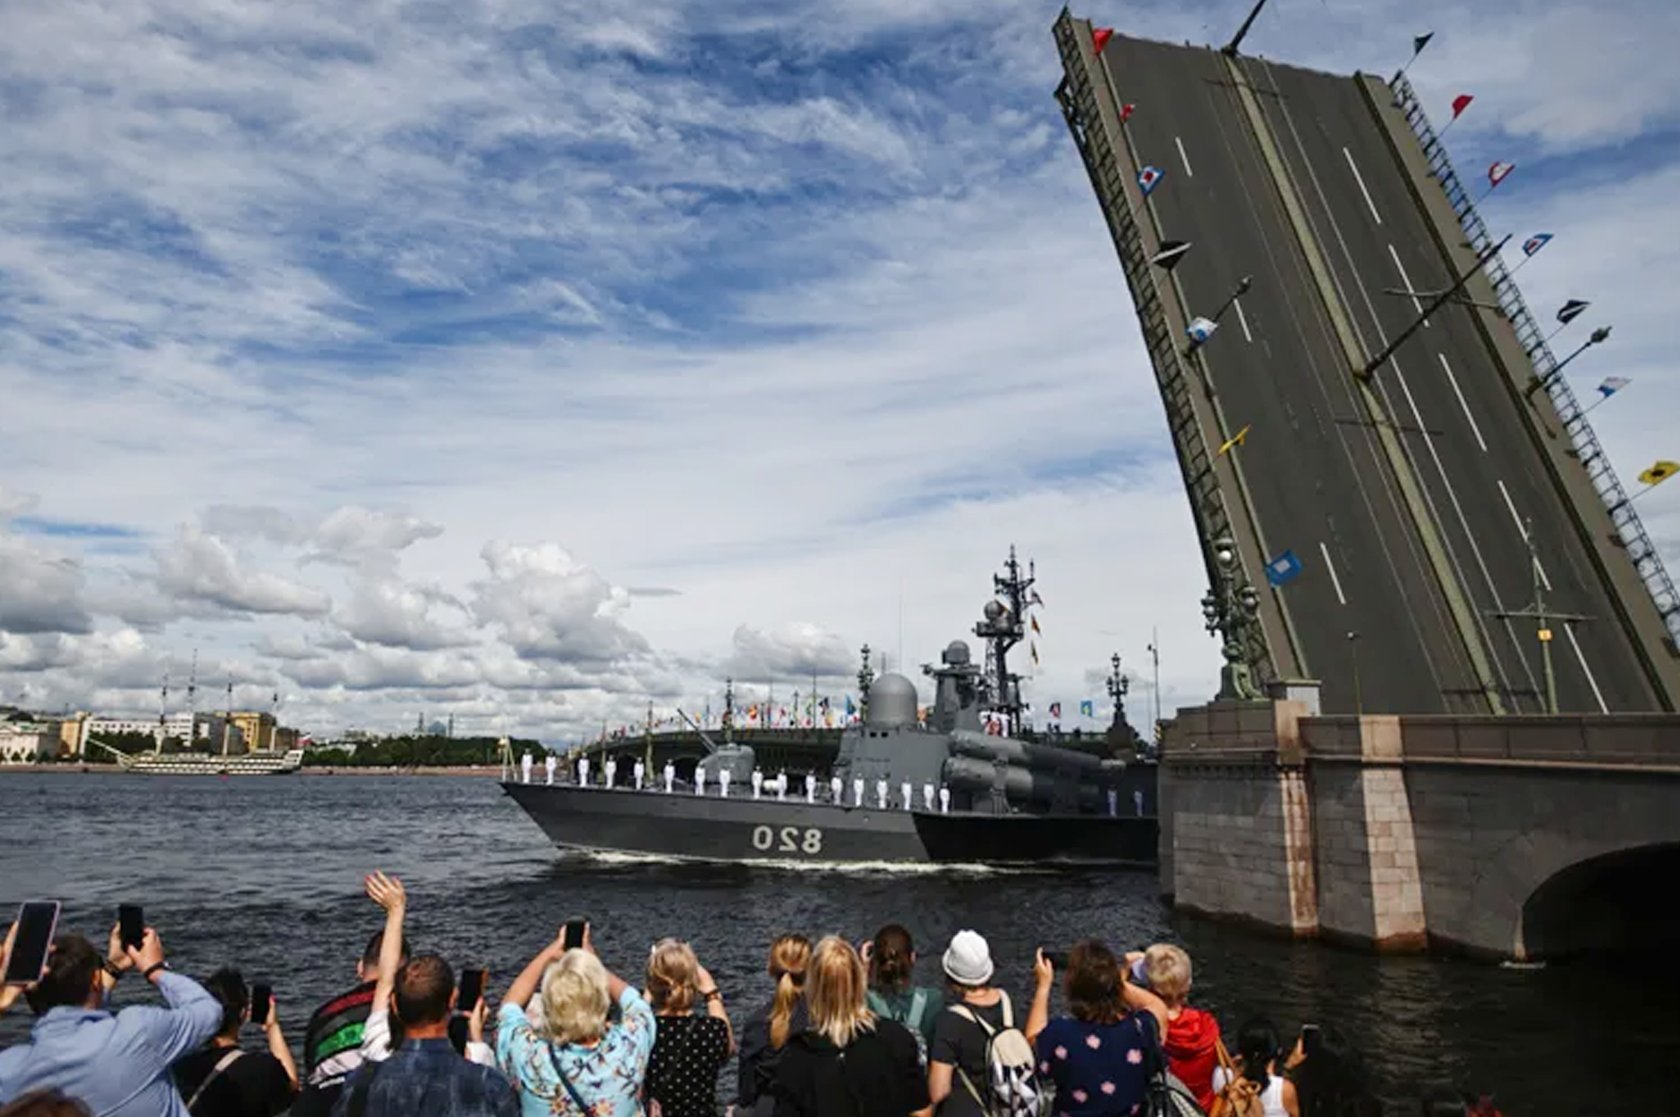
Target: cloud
x,y
201,570
549,605
391,612
40,591
796,650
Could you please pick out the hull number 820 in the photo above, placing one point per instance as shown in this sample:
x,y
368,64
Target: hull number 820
x,y
787,839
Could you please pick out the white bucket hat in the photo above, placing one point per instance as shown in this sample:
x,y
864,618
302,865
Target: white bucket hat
x,y
968,960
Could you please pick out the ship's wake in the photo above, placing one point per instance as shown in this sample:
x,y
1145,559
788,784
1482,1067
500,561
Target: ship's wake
x,y
619,858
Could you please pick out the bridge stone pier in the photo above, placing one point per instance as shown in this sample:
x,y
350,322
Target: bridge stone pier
x,y
1508,837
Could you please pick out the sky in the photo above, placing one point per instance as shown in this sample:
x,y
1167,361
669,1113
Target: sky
x,y
535,363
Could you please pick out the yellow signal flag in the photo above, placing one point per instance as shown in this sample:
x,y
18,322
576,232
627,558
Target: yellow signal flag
x,y
1659,473
1239,438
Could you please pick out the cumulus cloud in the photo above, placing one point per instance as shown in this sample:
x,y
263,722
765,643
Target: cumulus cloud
x,y
391,612
799,650
40,591
352,532
548,604
202,570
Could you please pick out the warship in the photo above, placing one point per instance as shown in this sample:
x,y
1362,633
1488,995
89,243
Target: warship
x,y
953,787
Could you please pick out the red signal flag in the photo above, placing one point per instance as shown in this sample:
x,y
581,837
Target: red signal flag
x,y
1460,103
1100,37
1126,112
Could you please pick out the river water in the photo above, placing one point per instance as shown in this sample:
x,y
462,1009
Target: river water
x,y
265,873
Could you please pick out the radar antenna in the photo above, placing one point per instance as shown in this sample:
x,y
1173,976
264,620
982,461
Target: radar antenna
x,y
1003,627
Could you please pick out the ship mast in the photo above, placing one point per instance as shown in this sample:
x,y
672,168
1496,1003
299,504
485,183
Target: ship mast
x,y
1004,626
192,706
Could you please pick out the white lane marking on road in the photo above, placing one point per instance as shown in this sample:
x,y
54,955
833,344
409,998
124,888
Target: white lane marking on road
x,y
1183,158
1242,319
1471,419
1360,179
1539,569
1598,695
1330,566
1407,280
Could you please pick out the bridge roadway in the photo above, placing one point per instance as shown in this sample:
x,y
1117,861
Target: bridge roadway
x,y
1317,475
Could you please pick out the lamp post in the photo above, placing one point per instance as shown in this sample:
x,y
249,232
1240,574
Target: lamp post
x,y
1599,336
1118,686
1229,609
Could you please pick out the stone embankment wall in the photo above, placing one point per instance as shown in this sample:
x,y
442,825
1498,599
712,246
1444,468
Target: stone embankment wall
x,y
1399,833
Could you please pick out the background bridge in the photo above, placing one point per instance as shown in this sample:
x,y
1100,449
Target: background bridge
x,y
1411,497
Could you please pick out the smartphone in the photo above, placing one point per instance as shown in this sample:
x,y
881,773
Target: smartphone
x,y
472,989
262,999
1140,974
1056,958
37,922
573,939
131,922
1309,1039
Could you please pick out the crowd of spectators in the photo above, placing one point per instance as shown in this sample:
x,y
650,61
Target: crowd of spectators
x,y
842,1030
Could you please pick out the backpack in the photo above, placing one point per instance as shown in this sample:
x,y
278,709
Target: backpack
x,y
1166,1096
1015,1089
912,1018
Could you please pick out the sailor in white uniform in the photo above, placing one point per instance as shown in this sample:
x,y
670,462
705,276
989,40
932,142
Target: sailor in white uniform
x,y
881,793
927,796
904,794
612,771
670,777
857,791
525,763
638,773
699,781
835,788
723,782
550,762
757,782
781,786
583,771
944,799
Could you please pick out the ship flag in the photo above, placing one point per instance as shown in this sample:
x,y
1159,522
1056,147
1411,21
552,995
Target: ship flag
x,y
1421,41
1497,173
1148,179
1572,310
1283,569
1100,37
1037,631
1612,385
1033,647
1126,111
1087,708
1237,439
1535,243
1172,251
1200,329
1035,599
1460,103
1659,472
1056,711
851,707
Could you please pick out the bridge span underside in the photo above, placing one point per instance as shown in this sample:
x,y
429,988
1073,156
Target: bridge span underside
x,y
1410,503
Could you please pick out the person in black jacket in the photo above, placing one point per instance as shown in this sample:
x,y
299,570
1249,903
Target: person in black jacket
x,y
848,1063
768,1030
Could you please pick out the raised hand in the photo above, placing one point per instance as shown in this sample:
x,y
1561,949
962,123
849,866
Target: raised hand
x,y
115,953
1043,971
148,954
387,892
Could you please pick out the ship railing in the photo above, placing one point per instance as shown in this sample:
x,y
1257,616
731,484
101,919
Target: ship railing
x,y
1630,530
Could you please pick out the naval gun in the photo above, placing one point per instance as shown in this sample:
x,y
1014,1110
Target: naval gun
x,y
1012,774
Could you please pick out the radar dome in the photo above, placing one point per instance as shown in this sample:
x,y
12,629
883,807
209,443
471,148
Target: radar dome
x,y
995,611
955,654
892,702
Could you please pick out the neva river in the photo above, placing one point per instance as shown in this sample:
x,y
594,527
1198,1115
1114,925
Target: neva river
x,y
266,873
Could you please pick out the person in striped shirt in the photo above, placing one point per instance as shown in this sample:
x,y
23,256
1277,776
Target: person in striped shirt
x,y
332,1044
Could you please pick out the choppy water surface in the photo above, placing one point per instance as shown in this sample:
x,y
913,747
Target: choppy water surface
x,y
266,873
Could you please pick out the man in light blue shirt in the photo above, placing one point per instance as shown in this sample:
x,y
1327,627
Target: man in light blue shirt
x,y
117,1065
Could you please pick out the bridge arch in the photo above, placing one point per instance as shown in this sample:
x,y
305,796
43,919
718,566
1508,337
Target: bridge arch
x,y
1622,901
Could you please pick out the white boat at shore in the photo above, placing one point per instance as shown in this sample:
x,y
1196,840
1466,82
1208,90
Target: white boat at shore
x,y
265,763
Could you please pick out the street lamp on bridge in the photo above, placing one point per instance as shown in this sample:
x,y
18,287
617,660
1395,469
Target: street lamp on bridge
x,y
1229,609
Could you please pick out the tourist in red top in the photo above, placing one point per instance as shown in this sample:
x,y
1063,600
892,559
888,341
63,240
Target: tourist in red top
x,y
1192,1037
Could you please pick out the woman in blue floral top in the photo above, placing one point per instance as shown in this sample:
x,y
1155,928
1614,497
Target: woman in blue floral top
x,y
1097,1055
573,1064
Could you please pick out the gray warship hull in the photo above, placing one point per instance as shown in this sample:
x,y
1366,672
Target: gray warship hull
x,y
742,829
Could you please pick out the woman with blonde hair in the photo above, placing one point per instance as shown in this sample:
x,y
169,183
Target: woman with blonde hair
x,y
688,1050
573,1062
848,1063
767,1030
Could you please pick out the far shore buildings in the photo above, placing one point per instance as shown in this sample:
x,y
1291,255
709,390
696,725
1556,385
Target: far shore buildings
x,y
31,738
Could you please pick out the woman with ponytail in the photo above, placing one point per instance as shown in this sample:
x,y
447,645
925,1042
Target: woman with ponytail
x,y
891,957
1253,1087
767,1031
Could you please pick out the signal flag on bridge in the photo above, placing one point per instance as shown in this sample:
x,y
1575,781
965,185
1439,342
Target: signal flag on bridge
x,y
1535,243
1172,251
1148,179
1126,111
1235,440
1612,385
1200,329
1087,708
1460,103
1498,172
1421,41
1659,473
1056,711
1100,37
1283,569
1572,310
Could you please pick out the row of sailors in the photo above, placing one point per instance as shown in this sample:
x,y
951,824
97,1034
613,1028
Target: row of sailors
x,y
777,785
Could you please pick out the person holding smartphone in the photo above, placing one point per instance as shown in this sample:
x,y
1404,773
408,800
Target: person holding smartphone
x,y
223,1080
117,1064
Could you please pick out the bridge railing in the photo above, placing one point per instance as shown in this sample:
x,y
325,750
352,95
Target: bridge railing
x,y
1630,530
1622,740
